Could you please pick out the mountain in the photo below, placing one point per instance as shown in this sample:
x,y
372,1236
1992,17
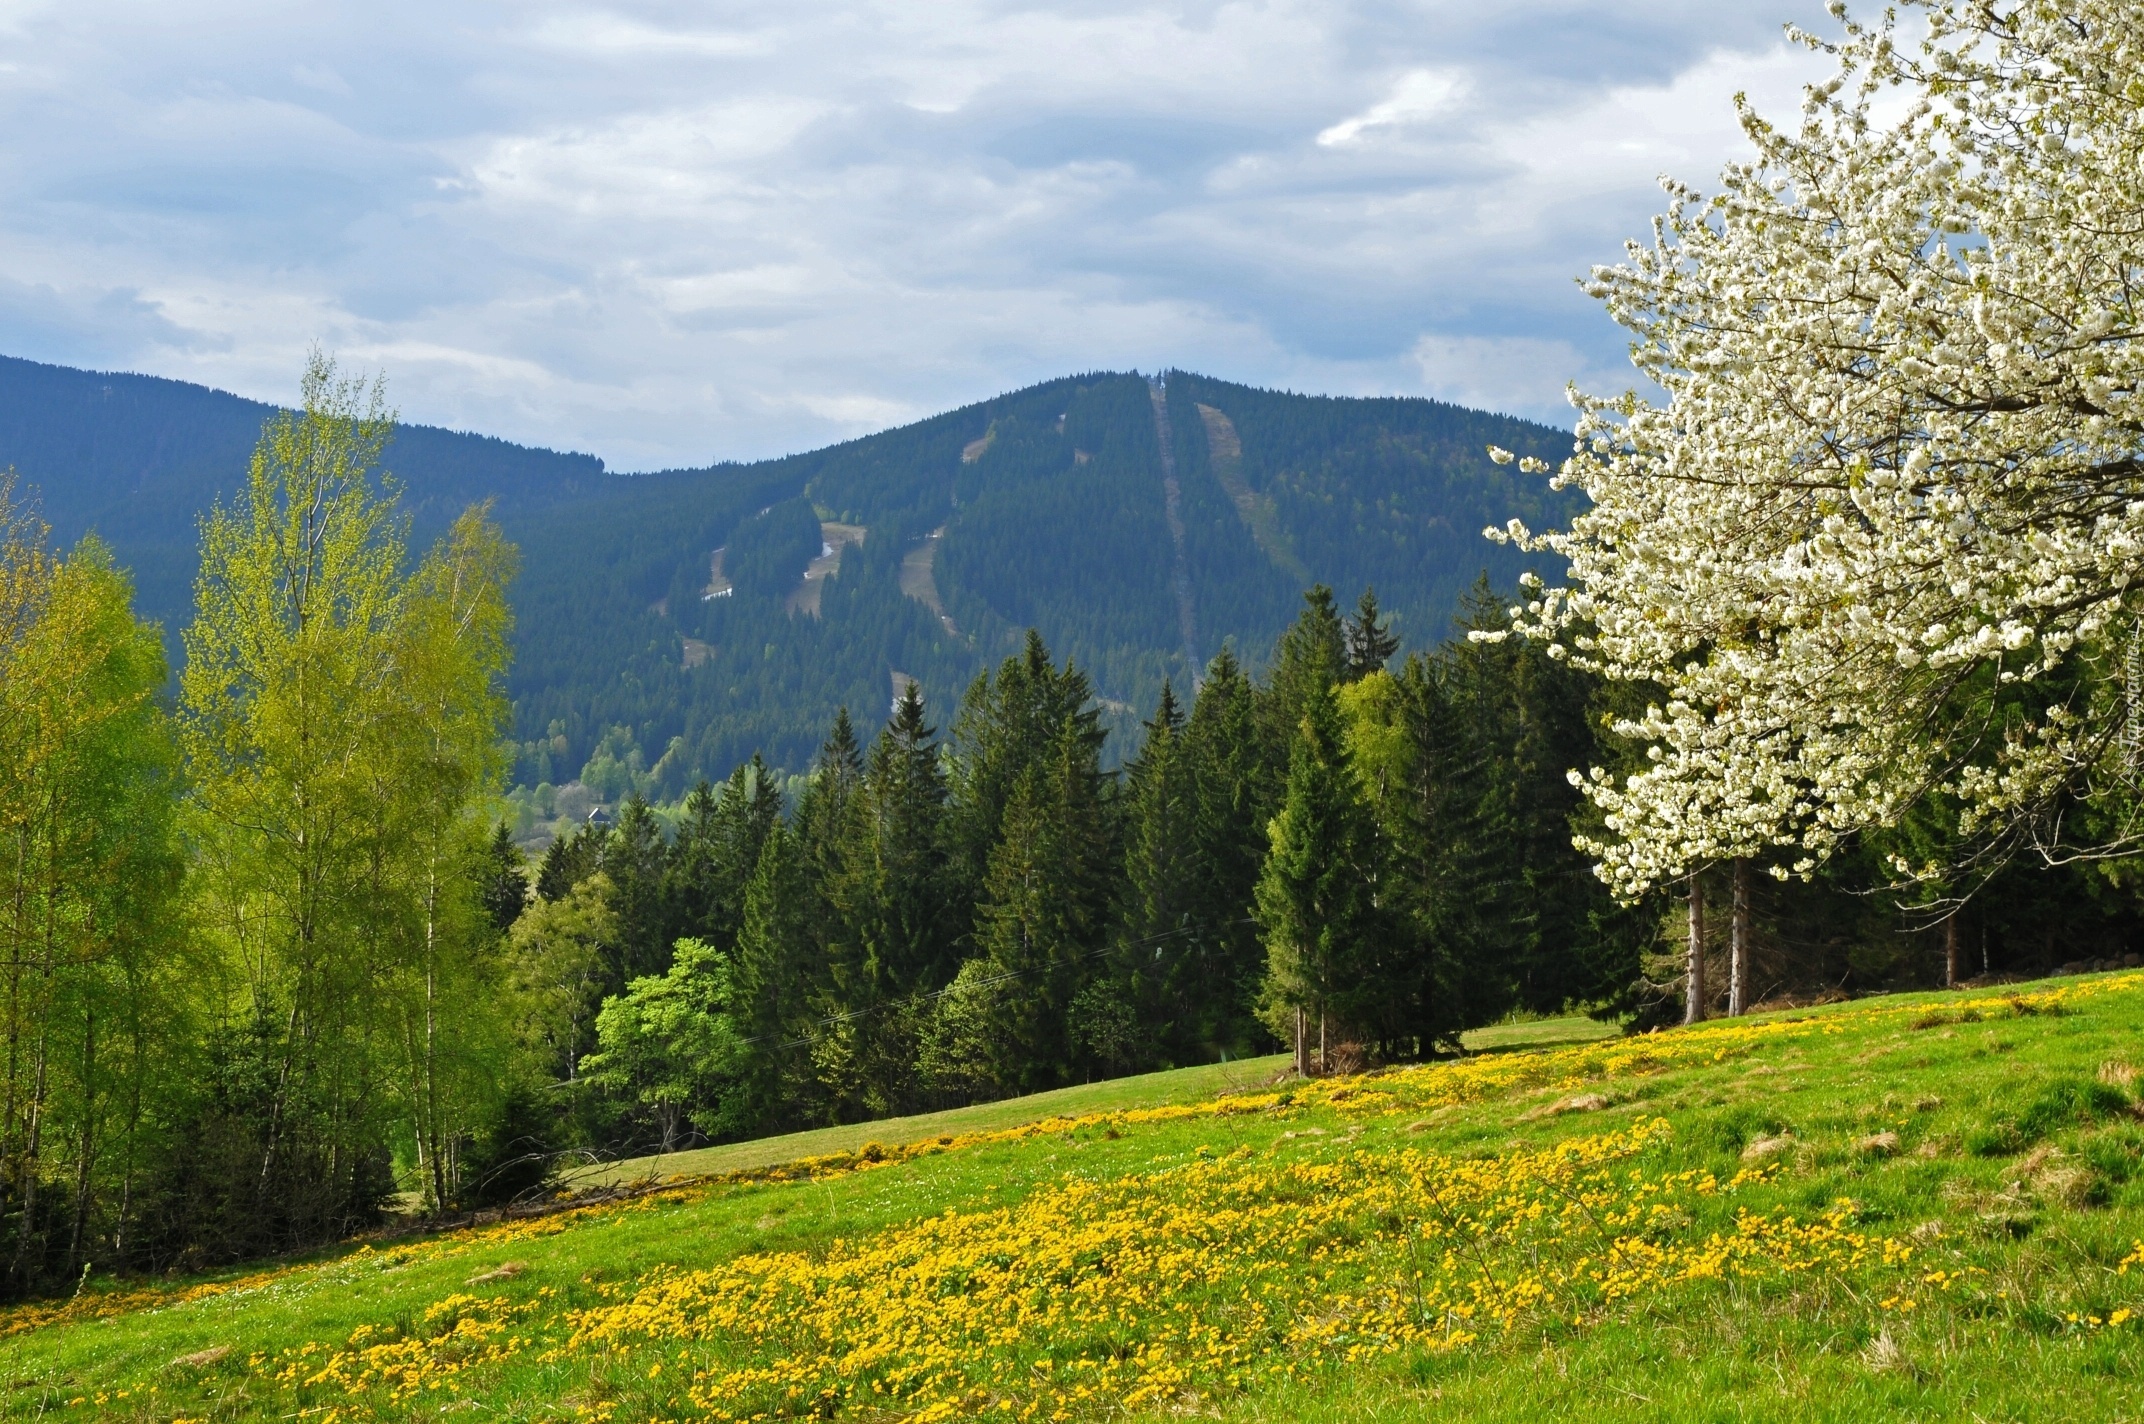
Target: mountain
x,y
688,608
139,459
671,624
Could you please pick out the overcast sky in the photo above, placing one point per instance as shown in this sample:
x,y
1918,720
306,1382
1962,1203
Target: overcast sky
x,y
675,233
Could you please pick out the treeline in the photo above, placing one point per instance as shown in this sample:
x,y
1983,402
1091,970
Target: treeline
x,y
1349,858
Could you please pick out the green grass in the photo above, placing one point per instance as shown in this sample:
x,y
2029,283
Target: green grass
x,y
1148,1090
2016,1169
1537,1033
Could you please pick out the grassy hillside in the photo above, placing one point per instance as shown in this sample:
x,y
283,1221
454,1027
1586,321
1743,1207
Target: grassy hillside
x,y
1928,1206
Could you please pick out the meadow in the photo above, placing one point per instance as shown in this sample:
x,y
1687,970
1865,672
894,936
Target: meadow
x,y
1914,1206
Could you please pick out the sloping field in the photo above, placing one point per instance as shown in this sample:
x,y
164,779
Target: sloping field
x,y
1147,1090
1921,1207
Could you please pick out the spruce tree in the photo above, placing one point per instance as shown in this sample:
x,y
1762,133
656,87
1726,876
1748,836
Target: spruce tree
x,y
897,897
1370,642
1155,972
505,889
637,860
1009,723
1315,896
914,924
719,848
1309,658
1045,907
567,861
772,979
1234,794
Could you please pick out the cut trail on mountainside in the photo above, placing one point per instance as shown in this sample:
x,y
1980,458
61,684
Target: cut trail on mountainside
x,y
834,537
1257,511
918,581
1928,1206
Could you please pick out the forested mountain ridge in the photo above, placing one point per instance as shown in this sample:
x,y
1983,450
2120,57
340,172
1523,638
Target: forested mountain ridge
x,y
1044,508
139,459
671,624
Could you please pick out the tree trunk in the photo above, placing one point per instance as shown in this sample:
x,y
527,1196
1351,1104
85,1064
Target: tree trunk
x,y
1693,991
87,1145
1738,945
1950,951
1302,1045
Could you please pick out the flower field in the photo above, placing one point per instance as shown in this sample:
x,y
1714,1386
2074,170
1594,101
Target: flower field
x,y
1408,1233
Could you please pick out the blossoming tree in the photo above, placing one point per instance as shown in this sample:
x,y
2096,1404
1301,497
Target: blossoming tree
x,y
1877,547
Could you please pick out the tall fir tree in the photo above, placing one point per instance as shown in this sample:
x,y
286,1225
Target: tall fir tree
x,y
1009,723
1234,793
1156,969
1045,907
567,861
771,983
1309,659
506,880
1316,895
717,850
1369,639
637,860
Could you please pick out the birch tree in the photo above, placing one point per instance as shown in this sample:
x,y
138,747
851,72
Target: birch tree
x,y
338,713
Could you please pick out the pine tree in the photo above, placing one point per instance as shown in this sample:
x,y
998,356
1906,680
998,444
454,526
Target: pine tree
x,y
912,925
718,849
1156,969
1009,723
772,979
1316,895
506,883
1370,643
637,860
567,861
898,897
1235,793
1308,660
1045,908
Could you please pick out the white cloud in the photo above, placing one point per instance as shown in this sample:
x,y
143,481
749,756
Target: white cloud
x,y
669,232
1417,96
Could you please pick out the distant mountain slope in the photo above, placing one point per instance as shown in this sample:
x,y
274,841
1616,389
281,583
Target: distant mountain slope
x,y
139,458
1045,507
671,624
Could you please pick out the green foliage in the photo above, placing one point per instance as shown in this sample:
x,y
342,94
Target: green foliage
x,y
97,1006
340,717
1317,893
671,1042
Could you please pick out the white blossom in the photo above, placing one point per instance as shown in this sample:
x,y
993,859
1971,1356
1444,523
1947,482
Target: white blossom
x,y
1895,477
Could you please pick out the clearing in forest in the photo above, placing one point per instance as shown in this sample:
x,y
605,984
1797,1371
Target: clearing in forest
x,y
918,581
1257,511
833,538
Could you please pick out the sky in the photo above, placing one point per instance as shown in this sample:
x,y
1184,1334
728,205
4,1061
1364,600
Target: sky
x,y
670,234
